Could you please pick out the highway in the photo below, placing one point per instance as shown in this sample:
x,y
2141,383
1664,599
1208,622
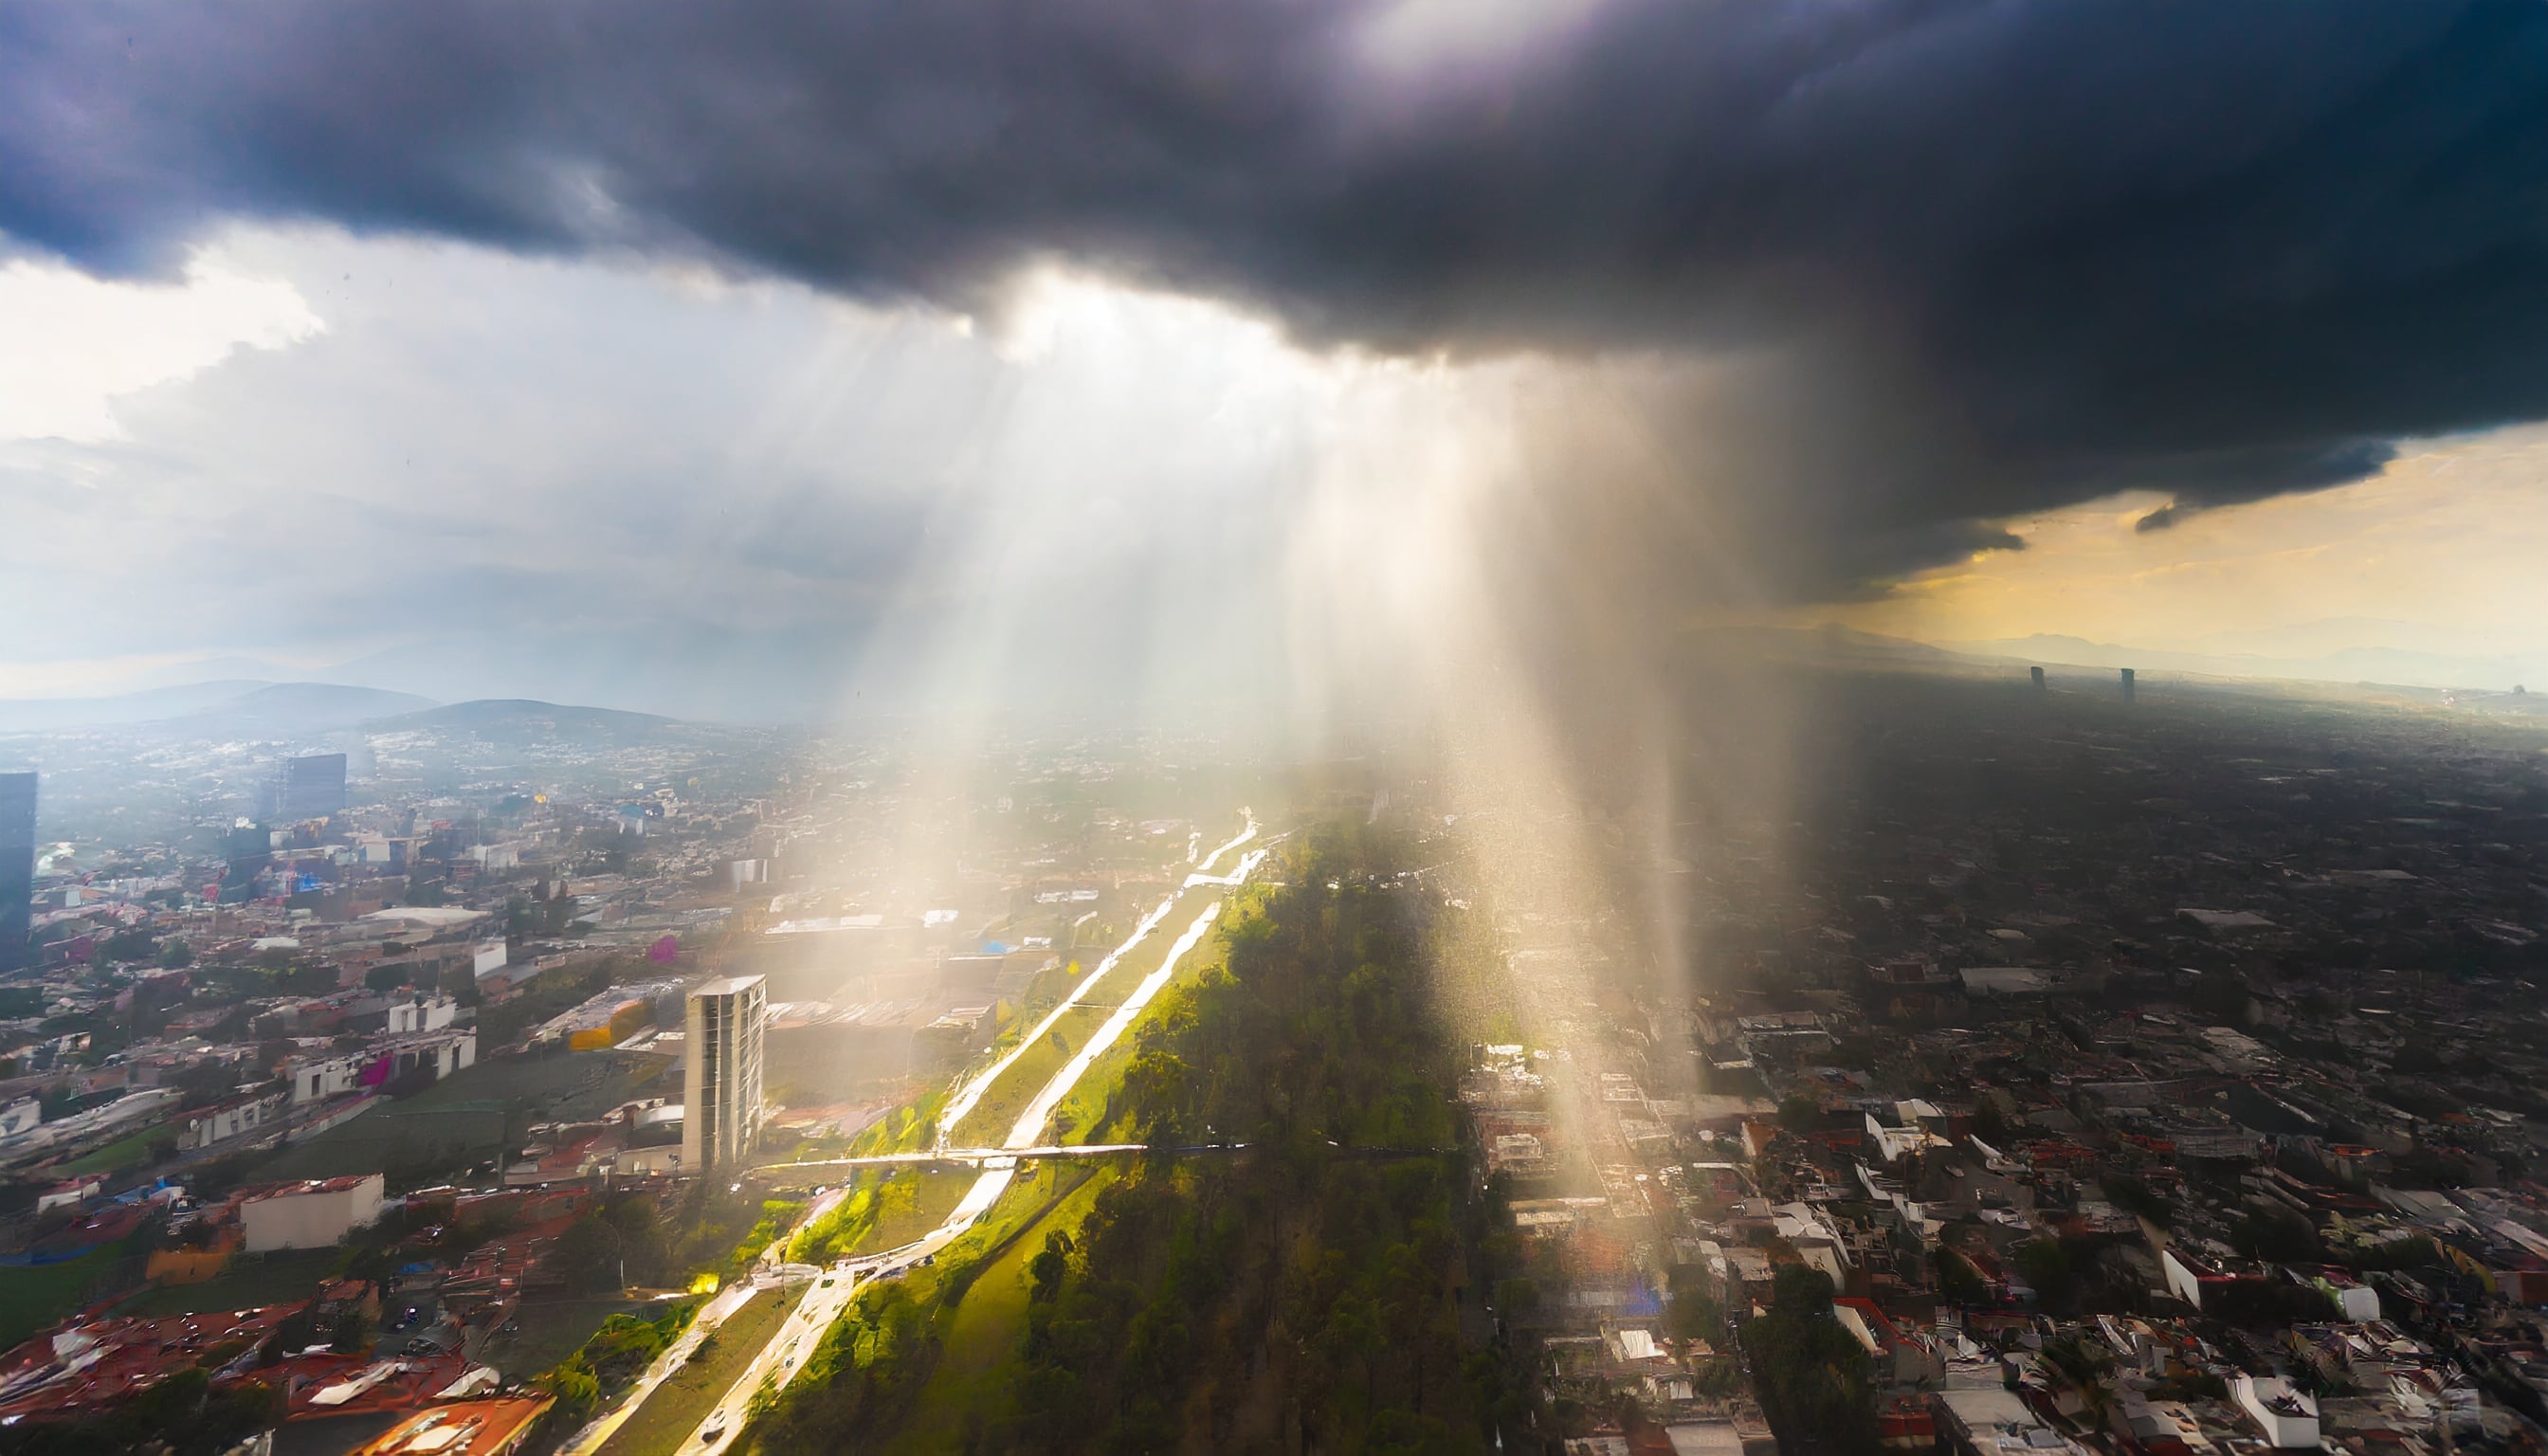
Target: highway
x,y
796,1340
711,1315
955,1155
961,1102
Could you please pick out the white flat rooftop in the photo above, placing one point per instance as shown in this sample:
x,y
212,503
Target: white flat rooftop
x,y
428,914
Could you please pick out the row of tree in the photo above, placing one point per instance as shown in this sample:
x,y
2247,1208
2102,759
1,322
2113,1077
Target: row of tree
x,y
1811,1374
1307,1291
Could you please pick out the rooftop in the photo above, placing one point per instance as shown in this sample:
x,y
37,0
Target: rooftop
x,y
440,917
462,1428
343,1183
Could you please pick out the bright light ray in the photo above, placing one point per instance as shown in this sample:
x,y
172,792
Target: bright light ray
x,y
960,1104
1029,1129
1165,509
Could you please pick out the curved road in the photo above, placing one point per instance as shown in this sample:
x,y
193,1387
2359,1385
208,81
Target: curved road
x,y
797,1337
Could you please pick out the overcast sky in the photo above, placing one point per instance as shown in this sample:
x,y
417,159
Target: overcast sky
x,y
735,361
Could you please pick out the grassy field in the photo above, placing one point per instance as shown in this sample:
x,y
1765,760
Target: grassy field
x,y
906,1129
997,1111
35,1296
881,1212
555,1085
462,1119
553,1329
992,1117
123,1152
934,1196
248,1280
398,1139
1049,986
1085,1108
677,1407
981,1333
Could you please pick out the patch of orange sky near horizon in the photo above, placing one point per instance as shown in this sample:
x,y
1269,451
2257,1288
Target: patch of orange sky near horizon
x,y
2445,550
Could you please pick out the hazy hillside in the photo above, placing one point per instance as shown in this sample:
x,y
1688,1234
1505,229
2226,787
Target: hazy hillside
x,y
231,705
519,720
309,707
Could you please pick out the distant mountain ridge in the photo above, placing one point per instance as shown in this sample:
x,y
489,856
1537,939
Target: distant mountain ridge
x,y
227,706
241,706
514,718
305,708
38,714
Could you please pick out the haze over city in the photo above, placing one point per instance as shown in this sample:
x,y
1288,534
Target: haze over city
x,y
1376,726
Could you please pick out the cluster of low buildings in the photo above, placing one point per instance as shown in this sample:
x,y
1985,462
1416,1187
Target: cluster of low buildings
x,y
275,975
179,1012
2131,1092
422,1340
350,928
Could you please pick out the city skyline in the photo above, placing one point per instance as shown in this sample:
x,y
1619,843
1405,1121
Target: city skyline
x,y
1596,728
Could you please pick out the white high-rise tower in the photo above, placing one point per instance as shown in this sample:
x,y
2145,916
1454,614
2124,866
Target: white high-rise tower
x,y
723,1124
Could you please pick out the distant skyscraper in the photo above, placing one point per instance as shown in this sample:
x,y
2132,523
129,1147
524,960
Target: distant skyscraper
x,y
723,1124
312,787
2127,685
2038,674
249,850
17,866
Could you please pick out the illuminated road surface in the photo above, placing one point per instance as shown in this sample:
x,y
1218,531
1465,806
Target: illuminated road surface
x,y
711,1315
798,1337
960,1104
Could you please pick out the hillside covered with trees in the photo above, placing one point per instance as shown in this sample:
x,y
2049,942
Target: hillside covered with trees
x,y
1308,1288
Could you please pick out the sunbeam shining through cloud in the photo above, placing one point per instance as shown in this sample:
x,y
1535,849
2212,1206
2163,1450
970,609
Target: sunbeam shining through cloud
x,y
1284,725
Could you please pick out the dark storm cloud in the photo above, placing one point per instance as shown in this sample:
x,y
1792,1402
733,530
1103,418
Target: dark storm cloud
x,y
2003,256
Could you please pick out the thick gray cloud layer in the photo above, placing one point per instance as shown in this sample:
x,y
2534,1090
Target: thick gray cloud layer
x,y
1992,256
491,476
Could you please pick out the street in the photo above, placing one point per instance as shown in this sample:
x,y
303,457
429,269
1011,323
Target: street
x,y
797,1337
